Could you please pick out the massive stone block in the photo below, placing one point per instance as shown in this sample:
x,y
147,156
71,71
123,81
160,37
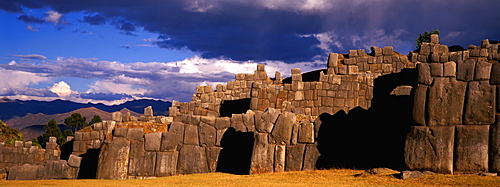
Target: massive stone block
x,y
208,135
424,73
332,59
279,158
306,133
465,70
482,71
495,145
262,155
57,170
445,102
135,134
294,157
480,105
173,139
152,141
113,159
191,135
212,157
471,149
311,157
419,104
282,131
430,148
192,159
495,74
166,163
25,172
142,162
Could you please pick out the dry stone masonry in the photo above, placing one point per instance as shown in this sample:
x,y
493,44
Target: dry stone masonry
x,y
257,124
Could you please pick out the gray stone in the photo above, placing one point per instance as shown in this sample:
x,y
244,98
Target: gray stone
x,y
192,159
118,132
25,172
113,159
419,104
425,49
465,70
282,131
74,161
208,135
483,70
295,134
142,162
191,135
411,174
387,51
495,74
306,133
480,104
117,116
424,73
449,94
166,163
222,123
212,157
332,59
152,141
437,69
148,111
495,145
279,158
449,69
208,120
135,134
248,118
353,53
262,155
311,157
173,139
434,38
220,134
294,157
430,148
471,149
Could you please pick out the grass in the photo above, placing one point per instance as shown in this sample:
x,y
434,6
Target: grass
x,y
334,177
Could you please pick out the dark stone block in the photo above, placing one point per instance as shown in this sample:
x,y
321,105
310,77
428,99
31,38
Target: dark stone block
x,y
262,156
471,149
424,73
437,69
495,74
294,157
387,51
430,148
192,159
25,172
419,104
135,134
482,71
152,141
173,139
222,123
208,135
282,131
166,163
113,159
74,161
449,94
212,157
495,145
191,135
480,105
311,157
142,162
465,70
118,132
306,133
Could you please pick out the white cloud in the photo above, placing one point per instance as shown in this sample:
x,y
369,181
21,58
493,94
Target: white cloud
x,y
31,28
13,62
12,79
53,16
62,89
115,88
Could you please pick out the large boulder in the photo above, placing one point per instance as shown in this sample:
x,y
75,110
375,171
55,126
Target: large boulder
x,y
113,159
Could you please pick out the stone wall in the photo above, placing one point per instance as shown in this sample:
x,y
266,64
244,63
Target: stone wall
x,y
27,162
456,108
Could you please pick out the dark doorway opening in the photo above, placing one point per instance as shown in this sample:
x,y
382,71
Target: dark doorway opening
x,y
88,166
365,139
66,150
229,107
236,153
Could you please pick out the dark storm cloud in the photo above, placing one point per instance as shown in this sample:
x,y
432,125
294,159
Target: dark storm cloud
x,y
94,19
30,19
292,30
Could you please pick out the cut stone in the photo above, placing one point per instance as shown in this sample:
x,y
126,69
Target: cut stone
x,y
471,149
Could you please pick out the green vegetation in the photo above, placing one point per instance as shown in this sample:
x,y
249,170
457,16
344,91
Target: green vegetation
x,y
95,119
9,135
426,37
334,177
76,121
51,129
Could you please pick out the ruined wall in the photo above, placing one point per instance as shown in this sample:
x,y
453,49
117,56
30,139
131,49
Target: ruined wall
x,y
456,106
27,162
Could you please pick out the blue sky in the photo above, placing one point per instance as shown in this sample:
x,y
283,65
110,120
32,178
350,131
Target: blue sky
x,y
112,51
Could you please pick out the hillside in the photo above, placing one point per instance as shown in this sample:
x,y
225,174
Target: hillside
x,y
10,109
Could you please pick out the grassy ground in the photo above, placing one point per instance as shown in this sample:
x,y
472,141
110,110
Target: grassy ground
x,y
334,177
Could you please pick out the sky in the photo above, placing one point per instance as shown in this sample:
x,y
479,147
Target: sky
x,y
108,51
